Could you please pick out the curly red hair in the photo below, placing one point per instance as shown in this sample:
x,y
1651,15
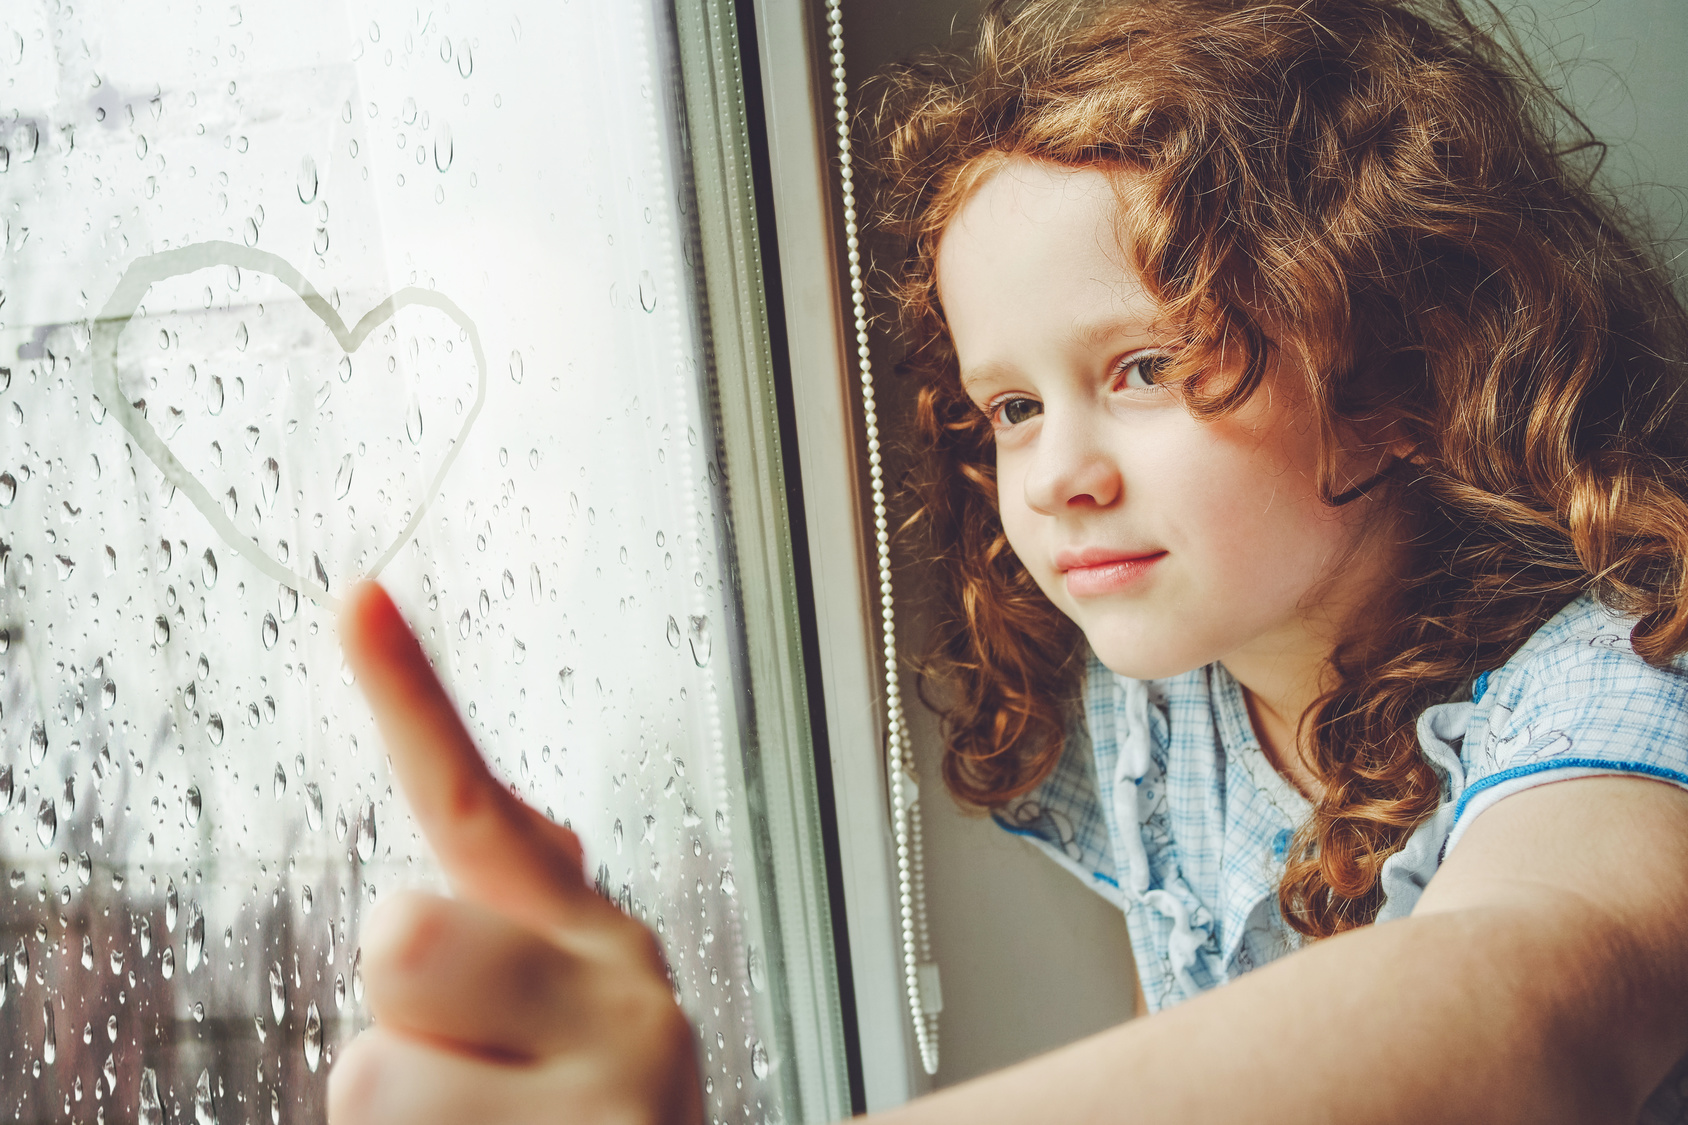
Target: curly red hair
x,y
1398,189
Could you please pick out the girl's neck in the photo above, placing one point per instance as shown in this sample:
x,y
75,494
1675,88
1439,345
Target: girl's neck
x,y
1278,741
1283,673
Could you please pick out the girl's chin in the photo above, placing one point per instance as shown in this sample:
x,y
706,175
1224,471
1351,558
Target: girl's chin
x,y
1143,658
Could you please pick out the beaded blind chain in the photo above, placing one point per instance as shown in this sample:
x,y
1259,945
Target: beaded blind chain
x,y
920,972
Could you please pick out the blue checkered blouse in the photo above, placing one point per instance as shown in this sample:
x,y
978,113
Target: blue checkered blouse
x,y
1165,803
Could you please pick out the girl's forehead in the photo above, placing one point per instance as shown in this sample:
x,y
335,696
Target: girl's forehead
x,y
1020,189
1025,209
1032,234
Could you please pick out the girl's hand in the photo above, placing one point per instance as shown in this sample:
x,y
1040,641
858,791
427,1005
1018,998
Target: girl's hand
x,y
528,997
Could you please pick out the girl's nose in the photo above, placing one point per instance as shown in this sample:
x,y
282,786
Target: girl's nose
x,y
1070,468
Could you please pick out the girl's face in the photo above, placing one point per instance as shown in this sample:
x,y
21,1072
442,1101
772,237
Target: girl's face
x,y
1171,542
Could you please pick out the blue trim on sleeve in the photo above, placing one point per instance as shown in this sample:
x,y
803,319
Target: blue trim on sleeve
x,y
1044,840
1644,768
1482,685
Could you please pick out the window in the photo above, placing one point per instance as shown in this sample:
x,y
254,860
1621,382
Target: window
x,y
463,296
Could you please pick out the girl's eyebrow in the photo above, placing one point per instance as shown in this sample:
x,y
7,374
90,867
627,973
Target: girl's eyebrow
x,y
1106,331
1088,336
985,372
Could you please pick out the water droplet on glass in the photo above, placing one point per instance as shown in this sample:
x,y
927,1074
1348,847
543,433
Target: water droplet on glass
x,y
269,482
214,729
698,634
270,630
161,631
443,149
756,968
84,868
167,963
214,396
50,1038
516,367
357,976
192,804
307,180
108,695
47,822
463,624
208,568
343,478
319,243
317,571
251,229
204,1106
485,603
5,788
280,782
241,337
193,941
465,60
171,905
535,585
150,1113
8,489
565,685
509,584
673,632
313,806
278,992
146,949
726,883
340,824
759,1059
413,424
231,504
288,602
37,743
67,566
313,1037
366,832
345,369
647,291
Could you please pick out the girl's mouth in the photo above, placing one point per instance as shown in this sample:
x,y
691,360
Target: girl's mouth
x,y
1106,577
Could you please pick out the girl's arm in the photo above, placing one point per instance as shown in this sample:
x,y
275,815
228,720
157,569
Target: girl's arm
x,y
1542,978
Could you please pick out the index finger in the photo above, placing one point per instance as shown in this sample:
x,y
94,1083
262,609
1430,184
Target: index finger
x,y
495,849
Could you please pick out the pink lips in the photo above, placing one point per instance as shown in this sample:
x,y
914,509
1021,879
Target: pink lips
x,y
1101,570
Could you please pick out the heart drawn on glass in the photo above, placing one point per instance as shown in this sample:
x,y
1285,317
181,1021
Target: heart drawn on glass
x,y
145,272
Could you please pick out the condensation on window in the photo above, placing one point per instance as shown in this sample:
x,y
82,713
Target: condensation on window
x,y
292,294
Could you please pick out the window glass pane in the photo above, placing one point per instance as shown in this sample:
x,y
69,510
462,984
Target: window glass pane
x,y
290,294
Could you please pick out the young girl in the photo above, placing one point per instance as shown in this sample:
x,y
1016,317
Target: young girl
x,y
1293,400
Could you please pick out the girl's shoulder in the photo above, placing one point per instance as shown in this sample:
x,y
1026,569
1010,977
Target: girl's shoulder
x,y
1585,638
1575,700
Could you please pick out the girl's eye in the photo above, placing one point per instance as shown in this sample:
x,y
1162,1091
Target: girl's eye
x,y
1011,412
1141,371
